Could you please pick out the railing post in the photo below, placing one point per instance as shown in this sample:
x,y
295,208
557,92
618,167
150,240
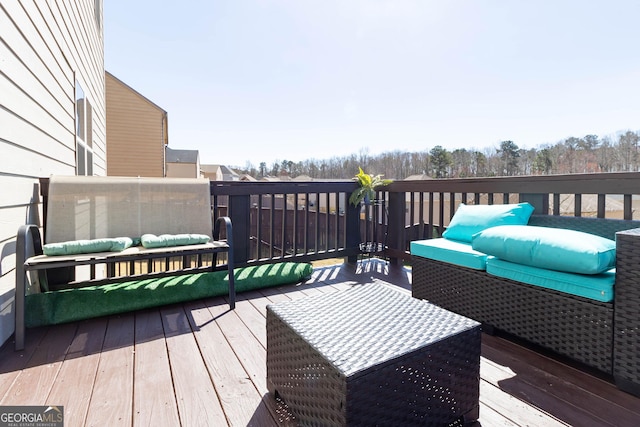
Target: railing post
x,y
240,212
396,225
539,201
352,232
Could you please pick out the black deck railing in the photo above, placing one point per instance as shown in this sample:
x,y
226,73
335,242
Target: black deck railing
x,y
304,221
277,221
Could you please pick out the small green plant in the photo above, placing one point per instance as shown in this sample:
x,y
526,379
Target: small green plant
x,y
367,187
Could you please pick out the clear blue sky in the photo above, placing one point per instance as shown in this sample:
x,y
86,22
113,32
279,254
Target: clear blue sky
x,y
266,80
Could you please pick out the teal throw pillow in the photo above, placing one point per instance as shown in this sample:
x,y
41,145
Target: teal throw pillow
x,y
471,219
550,248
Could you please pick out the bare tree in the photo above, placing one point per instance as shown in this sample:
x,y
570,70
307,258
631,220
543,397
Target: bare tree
x,y
509,155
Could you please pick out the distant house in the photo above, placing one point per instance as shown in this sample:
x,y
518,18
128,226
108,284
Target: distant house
x,y
219,173
182,163
269,178
415,177
213,172
52,119
137,132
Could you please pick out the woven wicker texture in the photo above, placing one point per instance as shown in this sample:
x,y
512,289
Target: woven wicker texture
x,y
626,368
571,326
576,327
373,356
599,226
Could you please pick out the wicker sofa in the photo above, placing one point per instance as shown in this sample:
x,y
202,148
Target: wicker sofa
x,y
601,335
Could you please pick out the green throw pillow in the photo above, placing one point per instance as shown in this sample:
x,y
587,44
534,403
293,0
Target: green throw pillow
x,y
167,240
471,219
75,247
550,248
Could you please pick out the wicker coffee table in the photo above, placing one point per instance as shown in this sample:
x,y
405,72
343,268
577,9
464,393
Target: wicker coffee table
x,y
372,355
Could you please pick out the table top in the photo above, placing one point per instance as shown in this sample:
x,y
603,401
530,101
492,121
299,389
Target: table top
x,y
368,324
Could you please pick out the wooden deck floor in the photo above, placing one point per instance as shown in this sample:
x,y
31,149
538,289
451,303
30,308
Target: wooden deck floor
x,y
200,364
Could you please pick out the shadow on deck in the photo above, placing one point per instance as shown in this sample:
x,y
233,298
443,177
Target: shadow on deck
x,y
198,363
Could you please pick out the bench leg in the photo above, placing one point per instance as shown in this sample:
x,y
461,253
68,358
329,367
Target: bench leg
x,y
226,221
232,284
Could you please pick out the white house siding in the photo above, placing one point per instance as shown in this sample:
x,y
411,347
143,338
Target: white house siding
x,y
45,46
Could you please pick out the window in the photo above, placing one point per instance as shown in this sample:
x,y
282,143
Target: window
x,y
84,133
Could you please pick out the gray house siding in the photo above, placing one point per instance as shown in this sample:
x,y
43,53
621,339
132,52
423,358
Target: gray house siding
x,y
45,47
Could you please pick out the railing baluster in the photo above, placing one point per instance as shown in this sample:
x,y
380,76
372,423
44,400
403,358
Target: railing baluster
x,y
271,225
628,206
259,228
295,224
285,223
452,205
431,215
601,206
421,234
306,224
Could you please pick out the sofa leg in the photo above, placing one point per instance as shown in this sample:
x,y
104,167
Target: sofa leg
x,y
488,329
472,416
627,386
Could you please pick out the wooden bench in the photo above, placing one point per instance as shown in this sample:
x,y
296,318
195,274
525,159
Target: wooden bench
x,y
88,208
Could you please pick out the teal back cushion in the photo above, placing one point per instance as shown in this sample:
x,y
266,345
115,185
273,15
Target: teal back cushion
x,y
551,248
471,219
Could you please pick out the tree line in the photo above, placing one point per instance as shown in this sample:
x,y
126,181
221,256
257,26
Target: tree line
x,y
589,154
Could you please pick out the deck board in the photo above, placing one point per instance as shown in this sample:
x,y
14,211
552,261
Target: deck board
x,y
153,397
198,403
112,398
76,378
238,396
199,363
35,381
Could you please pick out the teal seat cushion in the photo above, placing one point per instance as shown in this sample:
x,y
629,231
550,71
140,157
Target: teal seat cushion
x,y
599,287
450,251
471,219
168,240
74,247
551,248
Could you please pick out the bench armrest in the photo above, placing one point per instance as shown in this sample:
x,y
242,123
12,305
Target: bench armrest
x,y
226,222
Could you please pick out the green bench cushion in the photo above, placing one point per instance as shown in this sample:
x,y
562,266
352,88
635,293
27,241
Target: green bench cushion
x,y
169,240
74,247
